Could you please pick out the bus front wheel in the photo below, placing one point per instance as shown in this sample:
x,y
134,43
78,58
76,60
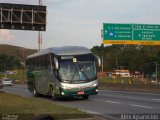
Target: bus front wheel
x,y
85,97
52,94
35,92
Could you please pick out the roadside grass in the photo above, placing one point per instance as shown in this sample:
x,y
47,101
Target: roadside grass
x,y
27,108
128,84
123,80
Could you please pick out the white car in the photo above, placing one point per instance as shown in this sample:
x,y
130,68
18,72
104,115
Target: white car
x,y
7,82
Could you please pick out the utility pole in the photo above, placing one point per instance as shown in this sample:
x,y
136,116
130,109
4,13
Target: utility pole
x,y
40,2
156,72
102,52
39,33
102,64
102,56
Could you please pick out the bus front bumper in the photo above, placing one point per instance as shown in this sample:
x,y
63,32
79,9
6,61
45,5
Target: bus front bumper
x,y
77,92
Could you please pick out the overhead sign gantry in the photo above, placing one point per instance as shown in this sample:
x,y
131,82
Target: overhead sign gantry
x,y
22,17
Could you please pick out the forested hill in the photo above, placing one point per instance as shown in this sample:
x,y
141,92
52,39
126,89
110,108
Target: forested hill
x,y
17,52
132,57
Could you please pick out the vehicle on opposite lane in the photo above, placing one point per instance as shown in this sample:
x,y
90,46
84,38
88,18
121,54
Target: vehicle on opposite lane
x,y
7,82
1,84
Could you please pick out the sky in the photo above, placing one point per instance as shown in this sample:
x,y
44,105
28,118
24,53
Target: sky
x,y
79,22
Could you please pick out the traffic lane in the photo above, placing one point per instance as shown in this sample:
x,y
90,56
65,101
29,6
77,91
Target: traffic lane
x,y
94,105
122,106
87,105
132,95
104,103
120,94
104,106
18,90
22,90
131,101
111,102
134,99
108,109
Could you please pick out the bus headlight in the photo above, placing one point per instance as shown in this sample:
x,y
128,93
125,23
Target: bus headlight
x,y
62,93
95,84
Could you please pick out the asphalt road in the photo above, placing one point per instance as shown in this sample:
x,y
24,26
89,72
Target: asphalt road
x,y
109,104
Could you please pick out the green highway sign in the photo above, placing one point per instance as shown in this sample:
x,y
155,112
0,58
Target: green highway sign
x,y
131,34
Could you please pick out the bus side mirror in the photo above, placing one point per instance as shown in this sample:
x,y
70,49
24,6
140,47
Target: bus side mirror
x,y
98,60
56,63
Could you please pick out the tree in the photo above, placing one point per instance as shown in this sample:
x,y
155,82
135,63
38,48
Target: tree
x,y
8,62
133,57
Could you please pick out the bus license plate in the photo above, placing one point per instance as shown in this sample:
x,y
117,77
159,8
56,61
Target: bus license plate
x,y
80,93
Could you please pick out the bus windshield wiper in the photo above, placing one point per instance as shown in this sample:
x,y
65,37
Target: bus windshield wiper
x,y
85,75
74,74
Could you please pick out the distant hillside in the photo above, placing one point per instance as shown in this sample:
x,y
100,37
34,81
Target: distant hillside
x,y
18,52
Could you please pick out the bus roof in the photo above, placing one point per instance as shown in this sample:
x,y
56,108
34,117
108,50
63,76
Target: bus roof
x,y
66,50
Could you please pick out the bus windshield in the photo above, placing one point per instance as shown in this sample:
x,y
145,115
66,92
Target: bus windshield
x,y
76,72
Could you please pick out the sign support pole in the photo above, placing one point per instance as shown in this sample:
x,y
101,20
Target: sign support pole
x,y
102,47
39,33
156,73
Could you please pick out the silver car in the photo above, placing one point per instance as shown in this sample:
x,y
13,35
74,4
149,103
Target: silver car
x,y
7,82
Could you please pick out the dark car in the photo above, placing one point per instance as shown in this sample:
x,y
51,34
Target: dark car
x,y
1,84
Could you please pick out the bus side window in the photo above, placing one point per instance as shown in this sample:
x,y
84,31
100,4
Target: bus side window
x,y
28,64
43,63
55,71
32,64
39,63
46,61
35,63
53,64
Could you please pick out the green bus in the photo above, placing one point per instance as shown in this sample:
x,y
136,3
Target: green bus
x,y
68,71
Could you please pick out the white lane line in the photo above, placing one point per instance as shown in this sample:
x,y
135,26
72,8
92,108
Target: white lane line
x,y
88,111
156,99
94,99
129,92
113,102
134,105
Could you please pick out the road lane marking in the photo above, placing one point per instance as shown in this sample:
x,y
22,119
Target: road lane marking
x,y
94,99
134,105
156,99
113,102
129,92
88,111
